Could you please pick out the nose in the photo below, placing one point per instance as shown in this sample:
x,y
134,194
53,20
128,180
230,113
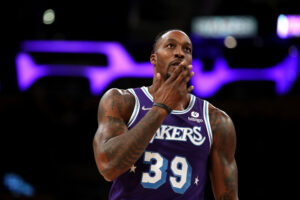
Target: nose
x,y
179,53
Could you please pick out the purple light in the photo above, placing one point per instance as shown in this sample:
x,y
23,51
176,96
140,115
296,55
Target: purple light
x,y
288,26
120,64
284,74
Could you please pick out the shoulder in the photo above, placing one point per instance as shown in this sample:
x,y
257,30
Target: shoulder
x,y
218,117
222,126
115,94
117,102
224,142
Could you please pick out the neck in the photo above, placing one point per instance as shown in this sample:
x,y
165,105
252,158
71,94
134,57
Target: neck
x,y
183,103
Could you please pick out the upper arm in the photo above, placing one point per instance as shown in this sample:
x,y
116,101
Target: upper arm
x,y
114,111
223,169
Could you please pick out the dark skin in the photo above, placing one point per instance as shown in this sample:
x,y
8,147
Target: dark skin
x,y
116,148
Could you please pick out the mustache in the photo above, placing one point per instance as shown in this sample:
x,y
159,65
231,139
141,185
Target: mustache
x,y
175,62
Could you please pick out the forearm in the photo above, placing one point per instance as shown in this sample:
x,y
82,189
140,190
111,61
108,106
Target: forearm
x,y
119,153
228,184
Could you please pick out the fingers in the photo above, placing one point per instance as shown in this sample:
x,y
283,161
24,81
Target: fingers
x,y
175,73
181,76
188,77
185,75
190,89
180,73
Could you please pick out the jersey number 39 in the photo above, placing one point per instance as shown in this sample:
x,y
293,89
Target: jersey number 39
x,y
180,180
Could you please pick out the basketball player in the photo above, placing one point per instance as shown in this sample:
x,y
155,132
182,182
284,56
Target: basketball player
x,y
159,142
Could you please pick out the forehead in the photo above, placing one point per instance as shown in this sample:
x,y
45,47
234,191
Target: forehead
x,y
178,36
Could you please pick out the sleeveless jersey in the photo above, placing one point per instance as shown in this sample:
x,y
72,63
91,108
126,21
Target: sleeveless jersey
x,y
174,164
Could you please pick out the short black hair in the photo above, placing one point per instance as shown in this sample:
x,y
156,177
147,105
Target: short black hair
x,y
159,35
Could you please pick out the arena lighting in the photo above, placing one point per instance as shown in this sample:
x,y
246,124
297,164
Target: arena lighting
x,y
222,26
48,16
230,42
284,74
121,65
288,26
17,186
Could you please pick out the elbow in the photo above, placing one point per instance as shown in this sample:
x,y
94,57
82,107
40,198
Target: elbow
x,y
108,178
109,170
108,173
104,170
105,167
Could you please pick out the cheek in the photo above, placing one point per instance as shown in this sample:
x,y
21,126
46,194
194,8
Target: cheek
x,y
162,63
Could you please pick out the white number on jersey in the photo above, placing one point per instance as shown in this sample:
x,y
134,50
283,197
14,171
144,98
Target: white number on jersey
x,y
181,169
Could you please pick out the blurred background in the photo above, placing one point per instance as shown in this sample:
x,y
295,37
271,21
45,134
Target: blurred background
x,y
59,57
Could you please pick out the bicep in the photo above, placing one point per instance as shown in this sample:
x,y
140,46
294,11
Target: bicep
x,y
223,169
111,120
224,135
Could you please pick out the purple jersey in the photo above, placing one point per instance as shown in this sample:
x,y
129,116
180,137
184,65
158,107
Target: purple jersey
x,y
174,165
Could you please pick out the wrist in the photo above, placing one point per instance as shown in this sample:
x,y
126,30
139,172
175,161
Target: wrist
x,y
163,106
163,112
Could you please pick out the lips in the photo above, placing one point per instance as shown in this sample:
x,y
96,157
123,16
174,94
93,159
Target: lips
x,y
175,63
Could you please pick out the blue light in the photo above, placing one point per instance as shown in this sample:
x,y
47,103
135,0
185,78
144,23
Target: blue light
x,y
288,26
17,186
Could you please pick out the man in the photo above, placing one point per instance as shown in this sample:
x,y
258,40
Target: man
x,y
158,142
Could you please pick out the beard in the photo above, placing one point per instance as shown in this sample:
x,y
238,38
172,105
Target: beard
x,y
169,71
168,75
171,67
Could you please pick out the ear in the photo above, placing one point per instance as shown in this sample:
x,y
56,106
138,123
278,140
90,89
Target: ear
x,y
153,59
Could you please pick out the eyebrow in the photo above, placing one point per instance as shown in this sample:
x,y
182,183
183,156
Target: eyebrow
x,y
173,40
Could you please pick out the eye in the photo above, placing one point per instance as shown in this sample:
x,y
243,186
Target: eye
x,y
170,45
188,49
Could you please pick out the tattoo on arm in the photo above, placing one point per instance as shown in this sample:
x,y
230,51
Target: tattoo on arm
x,y
135,143
223,154
121,147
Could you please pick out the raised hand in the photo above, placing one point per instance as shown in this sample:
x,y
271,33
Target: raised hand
x,y
172,90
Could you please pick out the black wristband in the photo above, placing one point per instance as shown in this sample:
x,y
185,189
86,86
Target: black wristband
x,y
163,106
